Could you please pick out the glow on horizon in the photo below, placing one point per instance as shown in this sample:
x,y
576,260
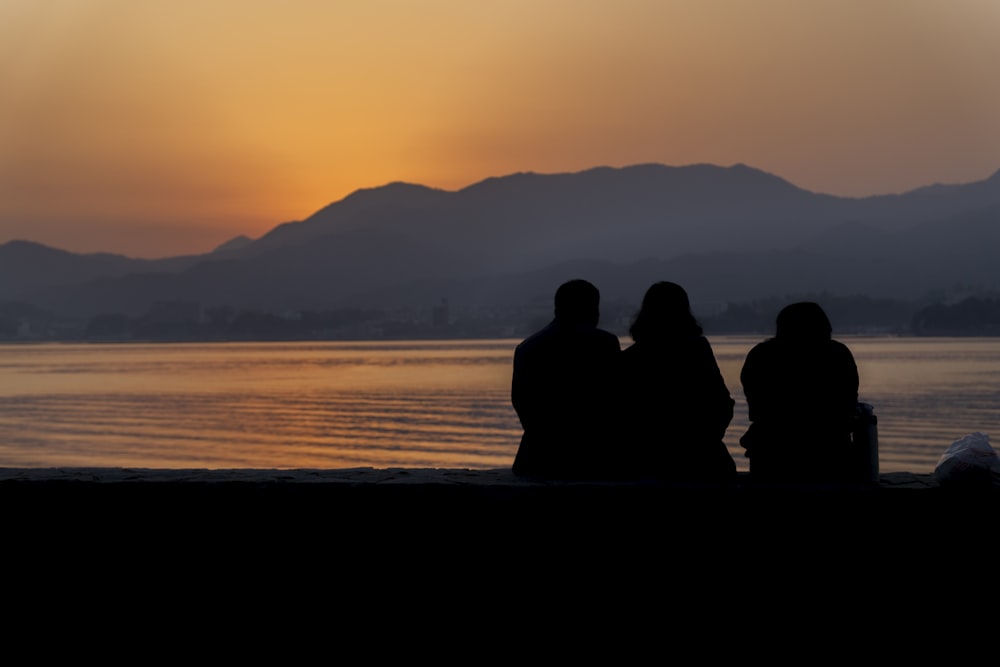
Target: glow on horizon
x,y
163,128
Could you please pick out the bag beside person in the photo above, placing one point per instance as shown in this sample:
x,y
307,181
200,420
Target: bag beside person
x,y
970,463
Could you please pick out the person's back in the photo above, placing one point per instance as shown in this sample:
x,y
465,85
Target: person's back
x,y
561,387
675,404
801,388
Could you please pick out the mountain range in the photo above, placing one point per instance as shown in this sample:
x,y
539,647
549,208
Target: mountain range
x,y
728,234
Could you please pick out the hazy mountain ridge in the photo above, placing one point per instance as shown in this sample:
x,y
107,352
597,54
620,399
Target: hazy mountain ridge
x,y
727,233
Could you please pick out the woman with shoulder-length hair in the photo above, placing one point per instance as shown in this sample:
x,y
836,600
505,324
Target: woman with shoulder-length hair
x,y
675,404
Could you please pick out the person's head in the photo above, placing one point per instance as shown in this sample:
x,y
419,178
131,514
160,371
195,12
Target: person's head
x,y
803,321
665,312
578,302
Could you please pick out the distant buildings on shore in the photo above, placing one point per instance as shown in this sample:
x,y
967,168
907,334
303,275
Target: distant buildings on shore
x,y
188,320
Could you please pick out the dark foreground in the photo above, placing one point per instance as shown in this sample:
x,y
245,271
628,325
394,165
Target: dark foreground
x,y
330,556
424,509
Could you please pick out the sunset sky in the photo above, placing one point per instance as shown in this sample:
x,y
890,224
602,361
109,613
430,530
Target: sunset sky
x,y
166,127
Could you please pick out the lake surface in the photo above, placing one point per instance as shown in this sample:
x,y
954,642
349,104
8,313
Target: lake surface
x,y
398,404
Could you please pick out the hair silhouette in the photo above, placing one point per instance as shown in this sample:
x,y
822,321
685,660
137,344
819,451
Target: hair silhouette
x,y
578,302
666,312
803,321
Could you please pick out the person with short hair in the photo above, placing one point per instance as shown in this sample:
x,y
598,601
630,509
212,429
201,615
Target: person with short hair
x,y
561,389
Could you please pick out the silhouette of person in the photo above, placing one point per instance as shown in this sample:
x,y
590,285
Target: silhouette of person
x,y
561,389
801,388
675,405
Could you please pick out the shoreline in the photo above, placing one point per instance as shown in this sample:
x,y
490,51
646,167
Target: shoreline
x,y
490,477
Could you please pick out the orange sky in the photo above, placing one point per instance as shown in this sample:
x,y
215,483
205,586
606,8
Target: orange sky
x,y
166,127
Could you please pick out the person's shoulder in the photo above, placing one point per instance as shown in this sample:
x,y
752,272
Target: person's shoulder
x,y
841,349
609,339
593,333
764,353
701,342
604,333
701,345
764,346
540,334
633,353
532,344
526,342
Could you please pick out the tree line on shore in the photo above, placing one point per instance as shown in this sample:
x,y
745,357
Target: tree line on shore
x,y
972,316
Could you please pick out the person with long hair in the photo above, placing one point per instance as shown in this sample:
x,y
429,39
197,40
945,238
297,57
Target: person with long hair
x,y
675,404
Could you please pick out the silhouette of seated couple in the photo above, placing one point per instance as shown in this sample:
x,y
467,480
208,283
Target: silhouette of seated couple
x,y
660,408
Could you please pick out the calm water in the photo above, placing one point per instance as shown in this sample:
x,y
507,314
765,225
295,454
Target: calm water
x,y
408,404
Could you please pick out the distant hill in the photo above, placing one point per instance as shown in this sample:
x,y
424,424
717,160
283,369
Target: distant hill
x,y
233,244
727,233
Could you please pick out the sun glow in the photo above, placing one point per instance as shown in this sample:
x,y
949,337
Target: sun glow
x,y
161,127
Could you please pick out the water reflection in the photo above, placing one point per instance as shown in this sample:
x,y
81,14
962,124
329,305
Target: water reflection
x,y
409,404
